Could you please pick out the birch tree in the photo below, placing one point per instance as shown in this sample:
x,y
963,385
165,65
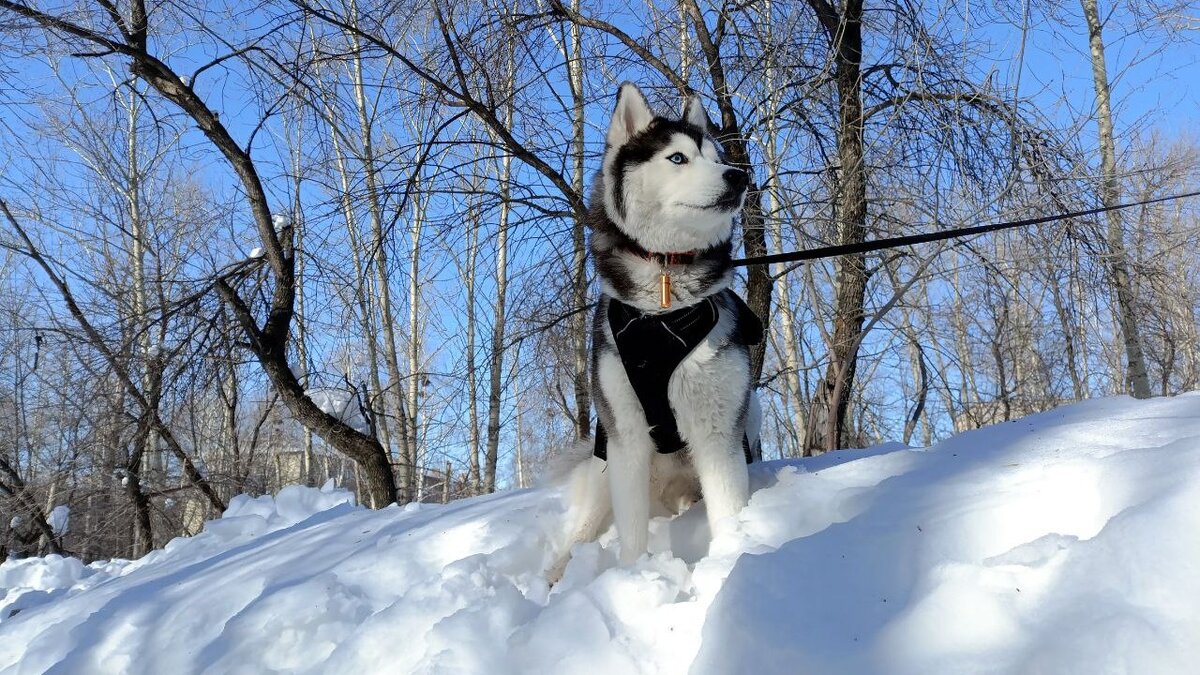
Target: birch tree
x,y
1110,194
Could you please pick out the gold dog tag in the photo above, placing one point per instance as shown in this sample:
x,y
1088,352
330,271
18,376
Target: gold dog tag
x,y
664,290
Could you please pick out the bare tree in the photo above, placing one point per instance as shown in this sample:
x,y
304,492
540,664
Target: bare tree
x,y
126,37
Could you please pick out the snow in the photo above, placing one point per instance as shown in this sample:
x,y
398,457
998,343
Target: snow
x,y
1060,543
31,582
341,404
59,519
257,252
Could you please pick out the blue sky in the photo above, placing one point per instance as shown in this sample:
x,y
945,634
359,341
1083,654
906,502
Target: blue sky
x,y
1152,73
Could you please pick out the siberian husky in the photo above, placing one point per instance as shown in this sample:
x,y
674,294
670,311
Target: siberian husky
x,y
670,360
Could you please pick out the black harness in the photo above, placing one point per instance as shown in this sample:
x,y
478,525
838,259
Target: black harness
x,y
652,346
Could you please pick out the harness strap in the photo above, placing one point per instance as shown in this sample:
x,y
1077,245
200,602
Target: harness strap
x,y
652,346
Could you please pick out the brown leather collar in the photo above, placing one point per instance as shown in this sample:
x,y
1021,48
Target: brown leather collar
x,y
669,258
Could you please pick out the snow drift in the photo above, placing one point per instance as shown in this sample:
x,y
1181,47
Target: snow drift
x,y
1060,543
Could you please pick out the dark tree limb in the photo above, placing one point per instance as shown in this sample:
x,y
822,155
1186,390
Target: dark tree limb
x,y
16,489
270,339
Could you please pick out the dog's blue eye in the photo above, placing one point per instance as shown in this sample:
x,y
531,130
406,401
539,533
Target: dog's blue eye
x,y
677,158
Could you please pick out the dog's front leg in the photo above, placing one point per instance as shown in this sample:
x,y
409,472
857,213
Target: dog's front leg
x,y
629,479
630,449
709,396
724,481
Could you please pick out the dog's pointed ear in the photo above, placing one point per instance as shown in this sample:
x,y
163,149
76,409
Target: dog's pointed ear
x,y
631,116
693,114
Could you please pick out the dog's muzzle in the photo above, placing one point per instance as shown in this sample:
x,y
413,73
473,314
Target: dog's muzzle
x,y
736,182
736,179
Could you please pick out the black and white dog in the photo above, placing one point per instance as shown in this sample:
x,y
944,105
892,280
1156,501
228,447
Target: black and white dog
x,y
670,361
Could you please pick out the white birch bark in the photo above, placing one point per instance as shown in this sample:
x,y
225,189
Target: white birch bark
x,y
1137,378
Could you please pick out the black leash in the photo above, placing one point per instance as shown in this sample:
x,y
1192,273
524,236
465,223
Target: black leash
x,y
893,242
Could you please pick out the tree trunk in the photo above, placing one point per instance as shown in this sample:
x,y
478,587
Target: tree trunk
x,y
296,219
15,487
1137,378
145,462
139,321
579,276
845,34
754,238
143,536
415,377
521,484
788,335
474,225
379,245
361,297
1066,325
499,318
230,441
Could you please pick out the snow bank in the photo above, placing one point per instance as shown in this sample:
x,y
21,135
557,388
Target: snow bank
x,y
35,581
246,517
1060,543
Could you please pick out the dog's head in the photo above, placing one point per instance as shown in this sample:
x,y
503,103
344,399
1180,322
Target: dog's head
x,y
666,185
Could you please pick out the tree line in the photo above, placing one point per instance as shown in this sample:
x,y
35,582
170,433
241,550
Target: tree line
x,y
246,245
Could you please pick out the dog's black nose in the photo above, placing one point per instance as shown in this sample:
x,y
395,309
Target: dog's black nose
x,y
737,179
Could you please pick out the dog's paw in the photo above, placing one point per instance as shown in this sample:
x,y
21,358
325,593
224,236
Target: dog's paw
x,y
556,571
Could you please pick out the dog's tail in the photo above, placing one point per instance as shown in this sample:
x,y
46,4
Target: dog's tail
x,y
560,467
583,481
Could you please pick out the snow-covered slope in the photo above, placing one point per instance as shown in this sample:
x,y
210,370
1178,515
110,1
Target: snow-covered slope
x,y
1067,542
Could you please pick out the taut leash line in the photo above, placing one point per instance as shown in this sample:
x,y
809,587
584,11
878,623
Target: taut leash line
x,y
893,242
